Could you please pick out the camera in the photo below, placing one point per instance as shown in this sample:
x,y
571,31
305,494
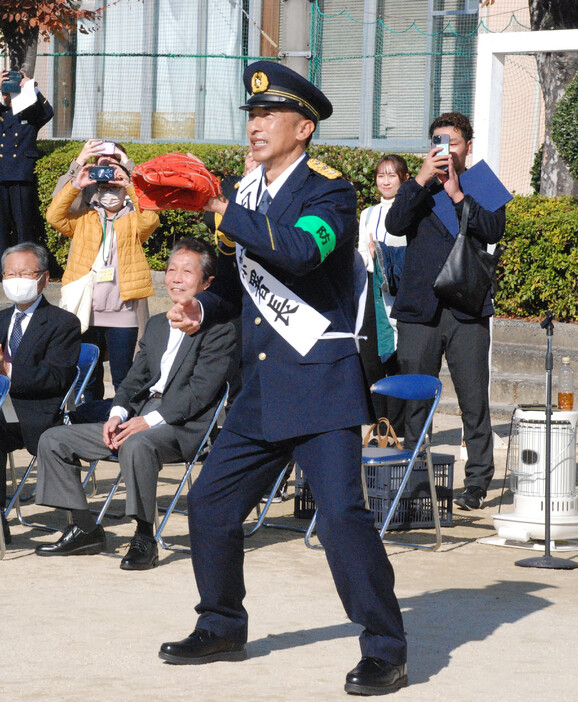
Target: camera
x,y
12,82
442,140
102,174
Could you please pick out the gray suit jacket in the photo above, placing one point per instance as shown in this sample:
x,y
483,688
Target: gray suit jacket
x,y
195,381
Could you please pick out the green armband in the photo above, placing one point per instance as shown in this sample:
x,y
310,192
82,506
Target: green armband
x,y
320,231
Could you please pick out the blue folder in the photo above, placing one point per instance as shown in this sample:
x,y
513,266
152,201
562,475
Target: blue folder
x,y
482,184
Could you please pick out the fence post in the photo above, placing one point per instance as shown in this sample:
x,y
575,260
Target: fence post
x,y
294,41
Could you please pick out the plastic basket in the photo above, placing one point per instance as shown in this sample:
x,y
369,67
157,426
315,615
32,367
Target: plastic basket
x,y
414,510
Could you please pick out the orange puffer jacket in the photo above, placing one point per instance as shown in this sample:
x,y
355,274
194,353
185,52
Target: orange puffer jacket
x,y
86,231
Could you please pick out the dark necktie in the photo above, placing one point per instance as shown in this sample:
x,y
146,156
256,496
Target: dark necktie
x,y
266,200
16,336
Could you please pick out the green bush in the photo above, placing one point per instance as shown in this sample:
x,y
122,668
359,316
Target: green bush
x,y
565,127
538,271
539,268
356,164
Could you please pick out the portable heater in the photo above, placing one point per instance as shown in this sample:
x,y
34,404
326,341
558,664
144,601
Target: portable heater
x,y
526,467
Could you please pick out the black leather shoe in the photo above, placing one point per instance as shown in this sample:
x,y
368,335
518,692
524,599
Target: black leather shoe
x,y
6,530
372,676
75,542
202,647
142,554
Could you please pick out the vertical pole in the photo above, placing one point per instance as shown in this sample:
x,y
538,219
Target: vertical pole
x,y
200,89
295,21
149,84
368,74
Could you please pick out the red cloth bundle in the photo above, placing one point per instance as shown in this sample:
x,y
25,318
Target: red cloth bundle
x,y
174,182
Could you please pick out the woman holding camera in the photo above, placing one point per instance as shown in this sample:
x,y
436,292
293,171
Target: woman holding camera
x,y
107,241
94,152
391,171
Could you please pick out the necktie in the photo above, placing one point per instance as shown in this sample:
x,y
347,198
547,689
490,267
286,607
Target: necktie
x,y
16,336
266,200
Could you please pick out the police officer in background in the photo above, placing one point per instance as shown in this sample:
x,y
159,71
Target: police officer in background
x,y
293,227
19,207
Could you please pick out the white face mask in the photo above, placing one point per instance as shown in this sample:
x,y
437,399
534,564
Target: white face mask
x,y
21,291
111,199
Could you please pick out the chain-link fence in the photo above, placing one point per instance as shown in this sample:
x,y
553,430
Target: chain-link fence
x,y
171,70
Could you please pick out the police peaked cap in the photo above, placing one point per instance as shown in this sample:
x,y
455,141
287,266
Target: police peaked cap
x,y
271,84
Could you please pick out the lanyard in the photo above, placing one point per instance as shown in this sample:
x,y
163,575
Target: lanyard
x,y
104,254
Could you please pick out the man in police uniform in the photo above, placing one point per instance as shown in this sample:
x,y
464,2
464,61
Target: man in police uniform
x,y
19,208
293,224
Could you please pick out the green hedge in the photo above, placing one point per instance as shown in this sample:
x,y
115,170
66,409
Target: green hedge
x,y
538,271
356,164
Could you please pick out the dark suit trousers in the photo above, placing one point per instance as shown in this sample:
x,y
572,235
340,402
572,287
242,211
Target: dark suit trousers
x,y
236,474
10,440
466,345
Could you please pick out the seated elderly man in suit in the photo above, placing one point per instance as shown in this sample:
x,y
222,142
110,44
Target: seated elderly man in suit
x,y
159,414
39,347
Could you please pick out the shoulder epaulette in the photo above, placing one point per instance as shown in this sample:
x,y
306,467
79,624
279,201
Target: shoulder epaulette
x,y
323,169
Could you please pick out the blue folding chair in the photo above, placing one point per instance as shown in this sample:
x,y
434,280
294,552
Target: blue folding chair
x,y
4,388
85,366
87,361
409,387
18,487
405,387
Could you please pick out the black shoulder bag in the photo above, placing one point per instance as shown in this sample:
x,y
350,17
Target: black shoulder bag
x,y
468,272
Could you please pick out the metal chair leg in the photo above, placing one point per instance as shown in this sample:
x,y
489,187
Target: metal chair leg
x,y
15,500
186,479
103,512
435,510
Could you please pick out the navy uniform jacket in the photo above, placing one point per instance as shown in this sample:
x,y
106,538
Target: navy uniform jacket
x,y
18,149
285,394
428,245
43,367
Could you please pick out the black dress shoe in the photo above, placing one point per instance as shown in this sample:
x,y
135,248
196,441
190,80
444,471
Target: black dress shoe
x,y
372,676
75,542
202,647
142,554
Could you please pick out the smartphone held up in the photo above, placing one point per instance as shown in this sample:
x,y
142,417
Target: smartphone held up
x,y
442,140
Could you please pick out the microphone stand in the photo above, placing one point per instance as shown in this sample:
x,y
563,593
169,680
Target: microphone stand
x,y
548,561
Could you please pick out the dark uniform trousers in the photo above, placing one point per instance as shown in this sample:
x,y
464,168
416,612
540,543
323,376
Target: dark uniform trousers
x,y
19,204
238,471
466,344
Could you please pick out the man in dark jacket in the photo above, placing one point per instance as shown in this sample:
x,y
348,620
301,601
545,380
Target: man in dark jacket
x,y
39,348
19,208
428,327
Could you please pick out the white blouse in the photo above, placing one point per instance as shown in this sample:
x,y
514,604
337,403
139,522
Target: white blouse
x,y
372,221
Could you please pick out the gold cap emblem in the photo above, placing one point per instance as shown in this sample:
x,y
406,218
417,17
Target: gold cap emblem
x,y
259,82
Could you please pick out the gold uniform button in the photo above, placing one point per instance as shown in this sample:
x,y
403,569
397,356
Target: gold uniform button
x,y
258,320
262,356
